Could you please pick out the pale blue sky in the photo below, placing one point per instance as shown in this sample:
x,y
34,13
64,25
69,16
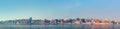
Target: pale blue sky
x,y
16,9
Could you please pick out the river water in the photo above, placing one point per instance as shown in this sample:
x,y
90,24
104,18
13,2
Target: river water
x,y
82,26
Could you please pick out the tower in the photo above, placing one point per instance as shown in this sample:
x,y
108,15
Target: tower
x,y
30,20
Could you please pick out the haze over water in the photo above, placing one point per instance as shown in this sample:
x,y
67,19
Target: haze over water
x,y
57,9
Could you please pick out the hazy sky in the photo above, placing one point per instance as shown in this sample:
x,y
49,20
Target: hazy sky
x,y
18,9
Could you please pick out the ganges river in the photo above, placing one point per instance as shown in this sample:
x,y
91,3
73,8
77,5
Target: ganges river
x,y
81,26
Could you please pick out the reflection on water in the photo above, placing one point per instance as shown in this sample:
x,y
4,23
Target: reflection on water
x,y
82,26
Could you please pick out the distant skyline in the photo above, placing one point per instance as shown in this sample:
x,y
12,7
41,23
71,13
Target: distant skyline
x,y
51,9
